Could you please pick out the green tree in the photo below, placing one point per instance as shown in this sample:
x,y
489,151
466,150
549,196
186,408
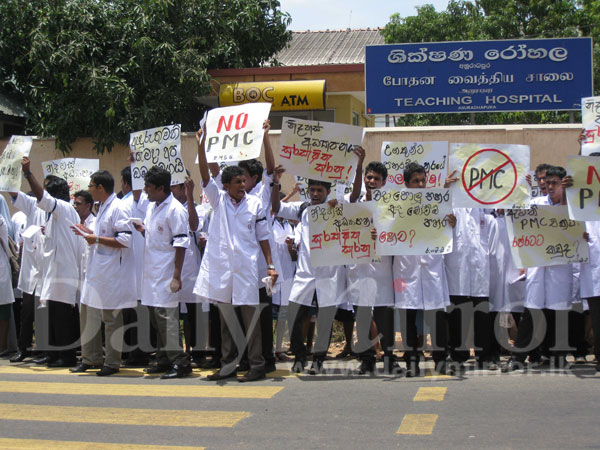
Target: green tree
x,y
492,19
105,69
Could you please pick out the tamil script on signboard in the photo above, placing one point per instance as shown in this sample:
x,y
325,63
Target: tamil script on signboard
x,y
478,76
396,156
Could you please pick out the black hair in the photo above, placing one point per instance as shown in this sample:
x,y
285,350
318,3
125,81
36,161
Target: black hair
x,y
126,175
542,168
105,179
230,172
58,187
325,184
158,176
87,197
378,168
411,169
556,171
254,167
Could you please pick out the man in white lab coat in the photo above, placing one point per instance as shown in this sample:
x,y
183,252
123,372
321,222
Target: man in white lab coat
x,y
548,296
107,287
60,266
238,233
165,230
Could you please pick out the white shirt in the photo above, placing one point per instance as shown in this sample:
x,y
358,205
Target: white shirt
x,y
282,230
549,287
30,276
328,282
89,222
229,269
108,283
166,228
6,290
62,252
420,282
138,210
589,277
467,266
193,258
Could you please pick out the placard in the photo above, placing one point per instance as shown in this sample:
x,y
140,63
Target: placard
x,y
490,175
160,146
341,235
413,222
590,118
235,133
433,156
10,163
544,235
319,150
76,171
583,198
535,188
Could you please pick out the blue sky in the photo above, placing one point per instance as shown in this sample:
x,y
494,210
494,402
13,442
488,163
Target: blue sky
x,y
340,14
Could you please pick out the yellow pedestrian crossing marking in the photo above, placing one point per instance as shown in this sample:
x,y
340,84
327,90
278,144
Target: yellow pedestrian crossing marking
x,y
417,424
38,444
430,394
122,416
138,390
430,373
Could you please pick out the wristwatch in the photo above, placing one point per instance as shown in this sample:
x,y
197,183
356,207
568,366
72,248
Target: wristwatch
x,y
270,267
97,239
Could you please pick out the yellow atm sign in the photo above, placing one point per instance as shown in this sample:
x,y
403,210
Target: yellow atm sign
x,y
283,95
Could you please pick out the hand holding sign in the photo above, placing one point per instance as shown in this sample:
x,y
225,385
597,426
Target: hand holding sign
x,y
10,163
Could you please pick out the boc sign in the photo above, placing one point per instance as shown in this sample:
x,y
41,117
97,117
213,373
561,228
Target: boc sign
x,y
478,76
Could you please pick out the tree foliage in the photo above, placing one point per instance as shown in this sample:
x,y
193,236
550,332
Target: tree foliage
x,y
492,19
107,68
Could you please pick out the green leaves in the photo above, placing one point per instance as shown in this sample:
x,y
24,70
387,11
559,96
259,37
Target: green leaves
x,y
105,69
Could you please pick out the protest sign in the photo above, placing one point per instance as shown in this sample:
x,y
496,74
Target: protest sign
x,y
590,118
413,222
535,188
160,147
235,133
395,156
76,171
544,235
490,175
341,235
319,150
10,163
583,198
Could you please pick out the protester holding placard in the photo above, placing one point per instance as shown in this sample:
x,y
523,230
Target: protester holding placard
x,y
370,286
420,285
548,296
468,274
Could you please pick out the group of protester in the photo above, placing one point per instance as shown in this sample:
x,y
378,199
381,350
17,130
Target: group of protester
x,y
114,272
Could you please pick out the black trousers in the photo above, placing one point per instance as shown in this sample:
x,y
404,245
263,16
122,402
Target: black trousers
x,y
63,330
468,313
27,318
297,314
594,304
384,320
499,342
266,326
541,327
436,320
577,333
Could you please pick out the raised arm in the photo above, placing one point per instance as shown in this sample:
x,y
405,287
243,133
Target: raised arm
x,y
202,163
192,214
275,202
269,158
355,194
36,187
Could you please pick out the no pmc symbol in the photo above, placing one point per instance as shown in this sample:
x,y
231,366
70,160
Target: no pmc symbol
x,y
489,176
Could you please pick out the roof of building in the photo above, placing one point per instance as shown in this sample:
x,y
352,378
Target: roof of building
x,y
314,48
11,106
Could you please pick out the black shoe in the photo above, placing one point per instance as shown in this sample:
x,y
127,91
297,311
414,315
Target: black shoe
x,y
156,369
270,367
298,366
132,362
487,365
20,356
60,362
82,367
390,366
107,371
243,366
177,371
366,367
412,370
443,368
512,365
316,367
42,360
221,376
252,375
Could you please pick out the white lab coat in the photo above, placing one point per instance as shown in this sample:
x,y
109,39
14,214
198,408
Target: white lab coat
x,y
110,270
30,276
549,287
62,252
589,277
166,228
467,266
191,264
229,269
90,222
19,221
506,294
288,267
371,284
420,282
7,296
329,282
137,210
